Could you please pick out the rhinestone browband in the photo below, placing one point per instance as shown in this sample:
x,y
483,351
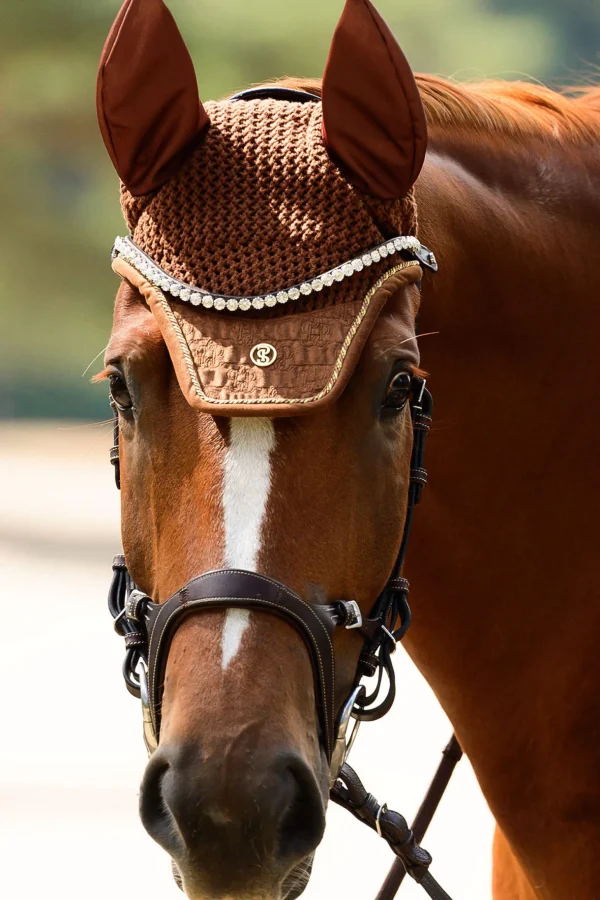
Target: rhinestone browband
x,y
131,253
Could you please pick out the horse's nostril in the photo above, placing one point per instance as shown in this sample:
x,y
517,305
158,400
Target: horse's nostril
x,y
303,820
154,811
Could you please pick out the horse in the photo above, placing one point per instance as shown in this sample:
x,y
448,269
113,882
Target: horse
x,y
265,438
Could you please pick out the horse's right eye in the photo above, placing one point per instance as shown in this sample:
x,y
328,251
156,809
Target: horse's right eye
x,y
119,393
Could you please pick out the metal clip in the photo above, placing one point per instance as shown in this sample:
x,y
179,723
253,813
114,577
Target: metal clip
x,y
382,809
391,637
117,619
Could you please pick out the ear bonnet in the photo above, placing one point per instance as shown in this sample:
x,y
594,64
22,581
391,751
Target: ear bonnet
x,y
267,231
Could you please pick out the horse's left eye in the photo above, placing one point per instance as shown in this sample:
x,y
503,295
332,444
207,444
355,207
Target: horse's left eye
x,y
398,392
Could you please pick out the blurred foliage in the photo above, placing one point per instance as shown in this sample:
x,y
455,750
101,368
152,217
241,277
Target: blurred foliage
x,y
58,192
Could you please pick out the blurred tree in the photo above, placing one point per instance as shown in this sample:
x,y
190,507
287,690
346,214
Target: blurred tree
x,y
577,25
59,195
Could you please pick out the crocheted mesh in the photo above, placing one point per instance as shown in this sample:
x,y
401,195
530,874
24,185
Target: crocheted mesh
x,y
259,206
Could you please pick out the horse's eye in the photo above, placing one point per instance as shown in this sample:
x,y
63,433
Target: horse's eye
x,y
398,393
119,393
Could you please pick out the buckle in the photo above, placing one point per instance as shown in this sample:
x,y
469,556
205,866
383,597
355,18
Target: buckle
x,y
134,604
354,615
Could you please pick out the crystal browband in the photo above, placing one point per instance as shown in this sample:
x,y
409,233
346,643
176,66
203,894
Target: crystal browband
x,y
130,252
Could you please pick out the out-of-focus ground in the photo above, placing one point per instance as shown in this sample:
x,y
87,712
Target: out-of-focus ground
x,y
71,756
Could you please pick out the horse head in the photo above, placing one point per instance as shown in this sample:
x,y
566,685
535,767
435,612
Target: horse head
x,y
261,365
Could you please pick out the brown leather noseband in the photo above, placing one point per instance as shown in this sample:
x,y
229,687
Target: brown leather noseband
x,y
234,588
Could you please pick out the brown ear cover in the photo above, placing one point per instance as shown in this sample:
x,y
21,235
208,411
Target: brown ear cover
x,y
149,111
373,119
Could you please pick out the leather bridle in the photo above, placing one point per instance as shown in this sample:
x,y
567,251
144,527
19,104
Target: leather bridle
x,y
148,629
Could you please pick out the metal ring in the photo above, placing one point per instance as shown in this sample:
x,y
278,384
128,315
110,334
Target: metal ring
x,y
352,738
342,746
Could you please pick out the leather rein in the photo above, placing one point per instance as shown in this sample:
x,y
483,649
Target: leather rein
x,y
148,630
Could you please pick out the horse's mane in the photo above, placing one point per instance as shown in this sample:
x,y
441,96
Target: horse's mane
x,y
510,108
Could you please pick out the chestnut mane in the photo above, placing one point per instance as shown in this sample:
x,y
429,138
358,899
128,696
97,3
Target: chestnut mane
x,y
513,109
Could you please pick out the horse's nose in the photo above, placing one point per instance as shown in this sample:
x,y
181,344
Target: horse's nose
x,y
219,816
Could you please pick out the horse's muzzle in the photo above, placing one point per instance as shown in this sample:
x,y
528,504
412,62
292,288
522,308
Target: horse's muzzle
x,y
238,834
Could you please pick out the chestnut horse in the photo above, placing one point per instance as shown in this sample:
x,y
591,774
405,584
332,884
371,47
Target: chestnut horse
x,y
503,552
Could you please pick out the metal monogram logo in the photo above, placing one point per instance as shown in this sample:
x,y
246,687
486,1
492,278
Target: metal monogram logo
x,y
263,355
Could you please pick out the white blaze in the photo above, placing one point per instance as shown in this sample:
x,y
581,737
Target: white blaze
x,y
246,484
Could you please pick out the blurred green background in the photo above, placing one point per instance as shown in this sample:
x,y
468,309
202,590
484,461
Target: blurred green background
x,y
59,194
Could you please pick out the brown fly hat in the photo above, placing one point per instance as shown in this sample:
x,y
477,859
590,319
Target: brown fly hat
x,y
267,231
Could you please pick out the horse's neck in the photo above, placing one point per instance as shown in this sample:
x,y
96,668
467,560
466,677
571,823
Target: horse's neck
x,y
503,561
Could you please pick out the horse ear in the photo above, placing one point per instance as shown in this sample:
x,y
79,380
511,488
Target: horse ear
x,y
149,111
373,119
